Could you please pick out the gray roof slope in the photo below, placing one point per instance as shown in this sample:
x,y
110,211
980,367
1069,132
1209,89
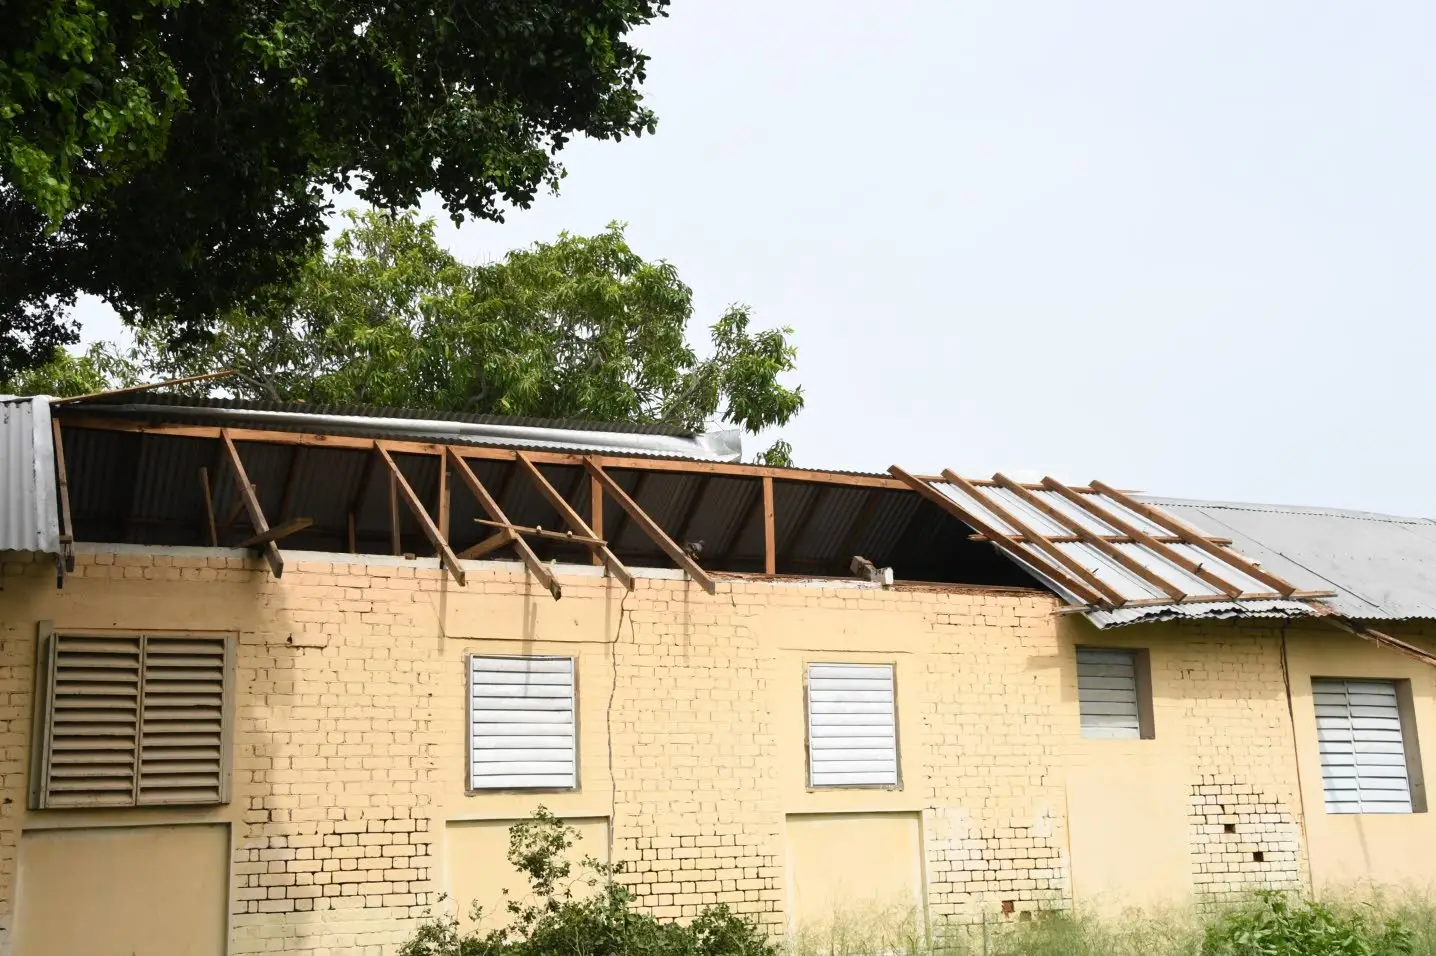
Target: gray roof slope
x,y
1383,567
28,519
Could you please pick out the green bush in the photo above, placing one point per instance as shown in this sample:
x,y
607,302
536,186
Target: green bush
x,y
1275,926
554,921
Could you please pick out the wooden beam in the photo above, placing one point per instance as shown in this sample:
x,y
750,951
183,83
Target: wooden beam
x,y
251,504
770,535
487,546
416,507
595,509
282,530
651,528
535,532
1112,595
396,528
486,501
1109,538
357,502
1086,535
143,388
1167,553
443,508
259,435
1215,599
843,561
574,520
1195,538
67,527
208,506
999,538
1381,639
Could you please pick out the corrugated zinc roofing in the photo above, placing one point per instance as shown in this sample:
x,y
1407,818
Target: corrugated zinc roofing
x,y
1382,567
28,518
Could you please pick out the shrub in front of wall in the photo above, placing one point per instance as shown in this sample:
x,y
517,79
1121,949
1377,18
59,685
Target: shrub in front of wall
x,y
1275,925
554,921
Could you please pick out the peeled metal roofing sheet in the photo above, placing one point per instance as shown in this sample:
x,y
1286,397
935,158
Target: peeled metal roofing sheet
x,y
28,518
1383,567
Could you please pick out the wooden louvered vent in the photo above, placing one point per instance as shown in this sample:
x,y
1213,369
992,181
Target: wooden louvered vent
x,y
133,721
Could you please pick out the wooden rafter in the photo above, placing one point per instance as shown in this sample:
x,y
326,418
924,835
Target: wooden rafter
x,y
651,528
595,510
416,507
1195,538
568,537
67,526
770,534
999,538
1382,639
486,501
245,490
574,520
495,541
1166,552
282,530
1082,533
1110,594
208,506
143,388
1109,538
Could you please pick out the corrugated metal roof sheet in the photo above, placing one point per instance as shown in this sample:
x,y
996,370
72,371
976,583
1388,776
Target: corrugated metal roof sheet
x,y
28,519
1382,567
489,430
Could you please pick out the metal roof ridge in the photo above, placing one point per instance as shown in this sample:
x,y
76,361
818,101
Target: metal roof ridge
x,y
1308,510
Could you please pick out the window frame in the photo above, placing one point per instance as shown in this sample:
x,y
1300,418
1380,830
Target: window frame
x,y
42,716
1142,675
897,783
469,788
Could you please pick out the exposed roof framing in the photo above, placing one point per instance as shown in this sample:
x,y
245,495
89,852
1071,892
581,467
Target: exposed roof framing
x,y
1103,549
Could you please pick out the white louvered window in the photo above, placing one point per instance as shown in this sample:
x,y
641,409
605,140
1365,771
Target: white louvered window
x,y
1363,749
852,726
132,721
523,730
1111,685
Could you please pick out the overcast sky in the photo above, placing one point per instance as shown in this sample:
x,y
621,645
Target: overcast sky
x,y
1181,247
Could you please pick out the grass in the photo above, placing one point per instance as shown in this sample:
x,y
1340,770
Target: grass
x,y
1179,932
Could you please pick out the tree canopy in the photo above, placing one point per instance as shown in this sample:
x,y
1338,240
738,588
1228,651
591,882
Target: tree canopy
x,y
177,157
582,327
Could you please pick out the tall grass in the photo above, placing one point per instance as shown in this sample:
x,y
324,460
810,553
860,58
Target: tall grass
x,y
1173,932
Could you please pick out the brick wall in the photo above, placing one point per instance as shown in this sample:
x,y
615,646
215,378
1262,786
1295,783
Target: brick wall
x,y
349,750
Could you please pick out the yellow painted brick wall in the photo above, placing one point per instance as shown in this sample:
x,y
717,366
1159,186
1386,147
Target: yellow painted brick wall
x,y
350,743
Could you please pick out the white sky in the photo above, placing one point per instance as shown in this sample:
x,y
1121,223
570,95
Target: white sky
x,y
1185,247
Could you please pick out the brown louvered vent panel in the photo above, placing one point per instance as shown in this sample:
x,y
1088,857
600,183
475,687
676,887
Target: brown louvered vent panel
x,y
134,721
95,724
181,742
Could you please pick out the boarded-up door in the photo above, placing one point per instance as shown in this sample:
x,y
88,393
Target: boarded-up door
x,y
119,891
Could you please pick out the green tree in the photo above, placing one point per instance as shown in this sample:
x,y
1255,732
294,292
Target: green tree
x,y
175,157
582,327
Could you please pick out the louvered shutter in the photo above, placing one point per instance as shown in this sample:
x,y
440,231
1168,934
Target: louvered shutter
x,y
132,721
1363,754
522,724
182,735
1107,694
852,726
